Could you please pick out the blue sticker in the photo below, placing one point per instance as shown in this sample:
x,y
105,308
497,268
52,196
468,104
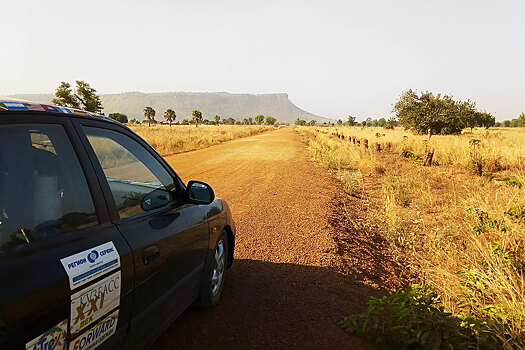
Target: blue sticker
x,y
15,106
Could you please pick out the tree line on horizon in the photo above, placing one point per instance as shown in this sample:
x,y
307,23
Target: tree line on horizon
x,y
424,113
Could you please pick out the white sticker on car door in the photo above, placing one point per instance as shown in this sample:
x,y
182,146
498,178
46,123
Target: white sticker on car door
x,y
94,301
55,339
97,334
91,263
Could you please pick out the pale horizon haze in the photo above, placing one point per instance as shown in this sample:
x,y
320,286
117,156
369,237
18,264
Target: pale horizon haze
x,y
333,58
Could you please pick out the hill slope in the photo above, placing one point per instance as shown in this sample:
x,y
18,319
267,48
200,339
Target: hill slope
x,y
226,105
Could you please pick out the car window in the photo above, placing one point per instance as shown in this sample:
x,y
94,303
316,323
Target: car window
x,y
137,180
43,190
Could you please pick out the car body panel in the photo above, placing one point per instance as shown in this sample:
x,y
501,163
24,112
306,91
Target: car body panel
x,y
152,295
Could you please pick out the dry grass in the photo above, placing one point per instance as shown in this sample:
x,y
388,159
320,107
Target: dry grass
x,y
500,148
182,138
452,230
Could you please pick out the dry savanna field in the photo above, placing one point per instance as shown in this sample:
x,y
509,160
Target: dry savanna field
x,y
455,227
182,138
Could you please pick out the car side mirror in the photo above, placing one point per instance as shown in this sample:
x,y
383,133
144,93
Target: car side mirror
x,y
155,199
198,192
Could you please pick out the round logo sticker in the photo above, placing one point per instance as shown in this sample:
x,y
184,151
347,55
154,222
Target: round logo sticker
x,y
93,256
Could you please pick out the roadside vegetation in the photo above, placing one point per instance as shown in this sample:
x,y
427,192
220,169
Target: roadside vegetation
x,y
459,233
183,138
448,193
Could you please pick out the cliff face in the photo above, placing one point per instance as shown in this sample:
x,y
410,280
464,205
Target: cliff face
x,y
226,105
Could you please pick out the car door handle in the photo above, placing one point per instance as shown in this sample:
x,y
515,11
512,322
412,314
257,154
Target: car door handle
x,y
150,254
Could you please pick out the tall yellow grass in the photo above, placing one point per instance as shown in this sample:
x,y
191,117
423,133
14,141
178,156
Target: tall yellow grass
x,y
182,138
448,227
500,148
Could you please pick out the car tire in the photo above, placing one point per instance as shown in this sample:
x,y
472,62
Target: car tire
x,y
213,282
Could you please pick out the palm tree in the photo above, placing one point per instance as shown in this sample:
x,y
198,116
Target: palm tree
x,y
170,116
149,113
197,117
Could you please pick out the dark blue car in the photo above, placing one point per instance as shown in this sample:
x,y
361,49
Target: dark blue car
x,y
101,243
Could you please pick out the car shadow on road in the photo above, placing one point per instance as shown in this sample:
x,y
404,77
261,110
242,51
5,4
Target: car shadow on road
x,y
274,306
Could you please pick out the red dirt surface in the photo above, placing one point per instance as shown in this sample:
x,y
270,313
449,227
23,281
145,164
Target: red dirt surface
x,y
300,265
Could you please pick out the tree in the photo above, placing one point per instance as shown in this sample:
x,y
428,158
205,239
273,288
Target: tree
x,y
521,120
433,114
300,122
149,113
381,122
88,97
485,119
269,120
230,121
217,119
259,119
119,117
170,115
312,122
134,121
506,123
197,117
351,121
250,121
390,123
339,122
64,96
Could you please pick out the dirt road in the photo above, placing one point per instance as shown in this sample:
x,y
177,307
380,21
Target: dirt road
x,y
294,276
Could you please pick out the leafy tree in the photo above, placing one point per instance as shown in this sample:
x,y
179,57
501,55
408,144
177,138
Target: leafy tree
x,y
64,96
259,119
250,121
134,121
339,122
521,120
170,115
149,113
485,119
432,114
351,121
217,119
185,122
363,123
506,123
269,120
300,122
88,97
312,122
514,123
381,122
391,123
119,117
230,121
197,117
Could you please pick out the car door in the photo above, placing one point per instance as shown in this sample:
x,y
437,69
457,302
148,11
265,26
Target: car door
x,y
169,237
59,250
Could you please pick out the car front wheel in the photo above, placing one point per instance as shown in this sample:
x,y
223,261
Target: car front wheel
x,y
213,282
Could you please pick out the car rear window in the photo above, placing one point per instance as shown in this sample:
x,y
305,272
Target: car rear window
x,y
43,190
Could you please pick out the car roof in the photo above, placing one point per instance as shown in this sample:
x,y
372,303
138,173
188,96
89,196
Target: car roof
x,y
27,106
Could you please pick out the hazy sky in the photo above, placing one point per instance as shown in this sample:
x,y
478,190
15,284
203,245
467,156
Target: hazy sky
x,y
333,58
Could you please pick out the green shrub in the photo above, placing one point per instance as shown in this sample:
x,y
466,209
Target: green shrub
x,y
415,319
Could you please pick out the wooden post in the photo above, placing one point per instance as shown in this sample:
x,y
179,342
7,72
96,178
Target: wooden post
x,y
428,158
358,143
378,147
476,168
365,143
353,139
343,137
